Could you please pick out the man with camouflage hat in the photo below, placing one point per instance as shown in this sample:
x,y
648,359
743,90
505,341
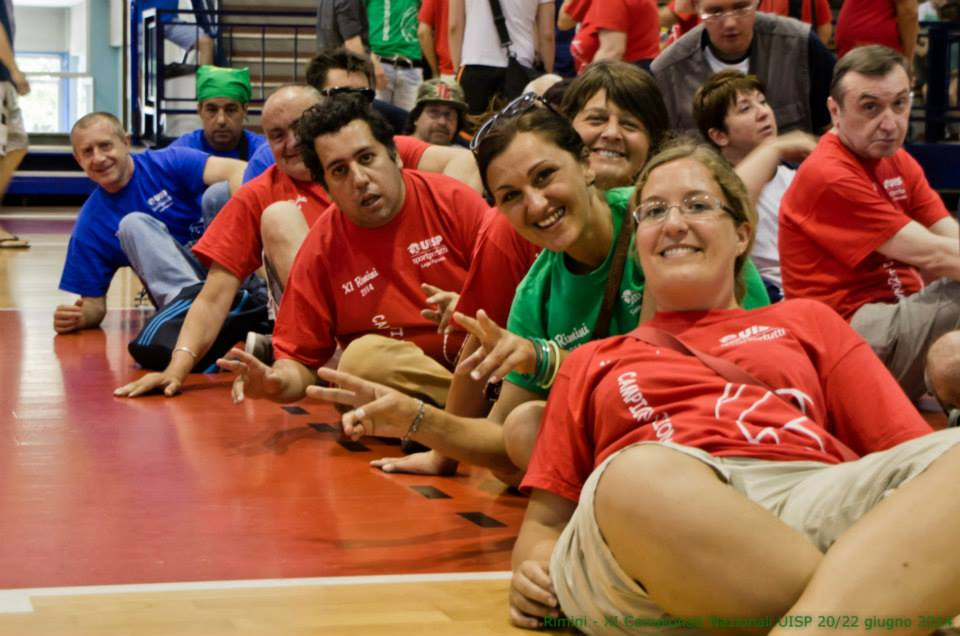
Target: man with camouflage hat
x,y
439,113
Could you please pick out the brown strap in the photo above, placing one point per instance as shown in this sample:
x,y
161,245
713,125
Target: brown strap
x,y
724,368
602,327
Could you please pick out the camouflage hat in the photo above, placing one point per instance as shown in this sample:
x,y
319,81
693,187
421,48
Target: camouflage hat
x,y
442,91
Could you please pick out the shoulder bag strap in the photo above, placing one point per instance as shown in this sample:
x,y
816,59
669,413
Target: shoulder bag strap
x,y
500,23
724,368
602,327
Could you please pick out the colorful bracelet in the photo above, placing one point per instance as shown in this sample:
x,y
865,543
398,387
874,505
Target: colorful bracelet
x,y
556,365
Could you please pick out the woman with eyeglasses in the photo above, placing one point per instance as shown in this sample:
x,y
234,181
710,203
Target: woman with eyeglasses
x,y
720,468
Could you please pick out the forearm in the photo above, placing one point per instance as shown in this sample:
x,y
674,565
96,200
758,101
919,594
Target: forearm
x,y
94,310
463,167
355,44
612,46
546,36
907,26
477,441
427,46
757,168
198,333
455,26
6,53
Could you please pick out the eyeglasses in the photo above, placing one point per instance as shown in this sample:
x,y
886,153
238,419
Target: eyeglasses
x,y
366,93
693,206
517,107
739,12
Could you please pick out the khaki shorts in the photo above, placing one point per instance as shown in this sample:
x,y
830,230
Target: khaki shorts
x,y
13,134
820,500
901,333
398,364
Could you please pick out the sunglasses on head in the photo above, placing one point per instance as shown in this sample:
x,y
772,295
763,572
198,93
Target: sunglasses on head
x,y
367,93
517,107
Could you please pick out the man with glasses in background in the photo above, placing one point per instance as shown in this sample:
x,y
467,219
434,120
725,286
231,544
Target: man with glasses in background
x,y
787,57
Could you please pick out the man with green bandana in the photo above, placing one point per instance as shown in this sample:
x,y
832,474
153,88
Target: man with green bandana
x,y
222,97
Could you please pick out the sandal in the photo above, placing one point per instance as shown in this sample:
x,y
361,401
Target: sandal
x,y
13,242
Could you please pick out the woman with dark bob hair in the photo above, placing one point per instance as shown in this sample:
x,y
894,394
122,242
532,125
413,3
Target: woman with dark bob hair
x,y
716,467
535,165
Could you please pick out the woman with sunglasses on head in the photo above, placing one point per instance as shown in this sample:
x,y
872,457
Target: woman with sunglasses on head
x,y
535,164
715,467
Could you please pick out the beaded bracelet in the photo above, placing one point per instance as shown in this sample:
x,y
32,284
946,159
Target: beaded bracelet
x,y
417,420
556,365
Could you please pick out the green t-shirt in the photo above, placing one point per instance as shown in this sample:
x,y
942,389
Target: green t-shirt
x,y
553,303
393,27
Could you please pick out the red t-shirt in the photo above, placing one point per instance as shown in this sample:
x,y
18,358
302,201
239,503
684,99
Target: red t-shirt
x,y
867,22
233,239
577,9
348,281
639,19
837,212
434,14
614,392
782,7
500,262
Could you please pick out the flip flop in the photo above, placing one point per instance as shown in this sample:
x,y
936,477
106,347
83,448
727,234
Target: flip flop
x,y
13,242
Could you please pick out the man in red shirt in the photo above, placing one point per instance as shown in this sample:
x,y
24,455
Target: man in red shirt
x,y
860,227
356,281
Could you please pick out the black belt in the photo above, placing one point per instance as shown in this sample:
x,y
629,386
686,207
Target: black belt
x,y
398,60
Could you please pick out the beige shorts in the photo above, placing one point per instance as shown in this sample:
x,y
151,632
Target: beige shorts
x,y
820,500
398,364
901,333
13,134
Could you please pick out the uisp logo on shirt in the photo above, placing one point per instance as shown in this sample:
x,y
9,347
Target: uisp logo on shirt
x,y
428,252
160,202
755,333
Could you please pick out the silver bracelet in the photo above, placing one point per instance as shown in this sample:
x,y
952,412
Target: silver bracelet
x,y
185,349
417,419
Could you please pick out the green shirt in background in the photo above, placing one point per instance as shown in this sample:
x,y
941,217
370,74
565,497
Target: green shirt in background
x,y
553,303
393,27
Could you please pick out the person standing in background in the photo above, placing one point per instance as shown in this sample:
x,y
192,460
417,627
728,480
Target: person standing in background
x,y
13,135
892,23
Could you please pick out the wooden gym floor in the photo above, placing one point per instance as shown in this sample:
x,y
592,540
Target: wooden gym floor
x,y
193,515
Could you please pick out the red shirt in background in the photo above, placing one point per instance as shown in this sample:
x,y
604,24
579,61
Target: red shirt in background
x,y
434,14
867,22
233,239
618,391
837,212
782,7
501,260
348,281
639,19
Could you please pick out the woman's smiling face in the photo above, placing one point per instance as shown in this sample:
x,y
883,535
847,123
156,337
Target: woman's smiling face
x,y
543,191
617,140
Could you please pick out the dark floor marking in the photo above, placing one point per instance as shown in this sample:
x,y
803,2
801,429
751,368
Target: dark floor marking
x,y
323,428
430,492
482,520
295,410
352,446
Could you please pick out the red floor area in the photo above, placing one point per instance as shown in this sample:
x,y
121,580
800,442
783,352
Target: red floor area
x,y
101,490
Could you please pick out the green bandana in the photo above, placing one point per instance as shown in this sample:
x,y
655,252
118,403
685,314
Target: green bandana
x,y
232,83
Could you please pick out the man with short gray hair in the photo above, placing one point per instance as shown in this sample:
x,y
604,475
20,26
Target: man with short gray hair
x,y
862,230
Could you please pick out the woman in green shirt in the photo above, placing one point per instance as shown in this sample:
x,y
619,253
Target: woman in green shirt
x,y
535,165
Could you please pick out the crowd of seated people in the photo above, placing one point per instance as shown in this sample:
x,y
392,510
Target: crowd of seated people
x,y
688,310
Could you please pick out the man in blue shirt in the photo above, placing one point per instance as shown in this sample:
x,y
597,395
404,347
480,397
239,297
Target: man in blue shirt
x,y
222,98
141,214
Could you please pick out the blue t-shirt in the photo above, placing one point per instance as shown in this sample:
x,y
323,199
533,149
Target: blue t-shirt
x,y
165,184
259,162
197,141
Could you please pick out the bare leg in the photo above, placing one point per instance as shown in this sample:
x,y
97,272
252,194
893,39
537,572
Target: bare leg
x,y
282,228
699,547
8,165
900,559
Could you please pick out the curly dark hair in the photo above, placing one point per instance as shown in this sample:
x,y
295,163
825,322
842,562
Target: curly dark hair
x,y
330,116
